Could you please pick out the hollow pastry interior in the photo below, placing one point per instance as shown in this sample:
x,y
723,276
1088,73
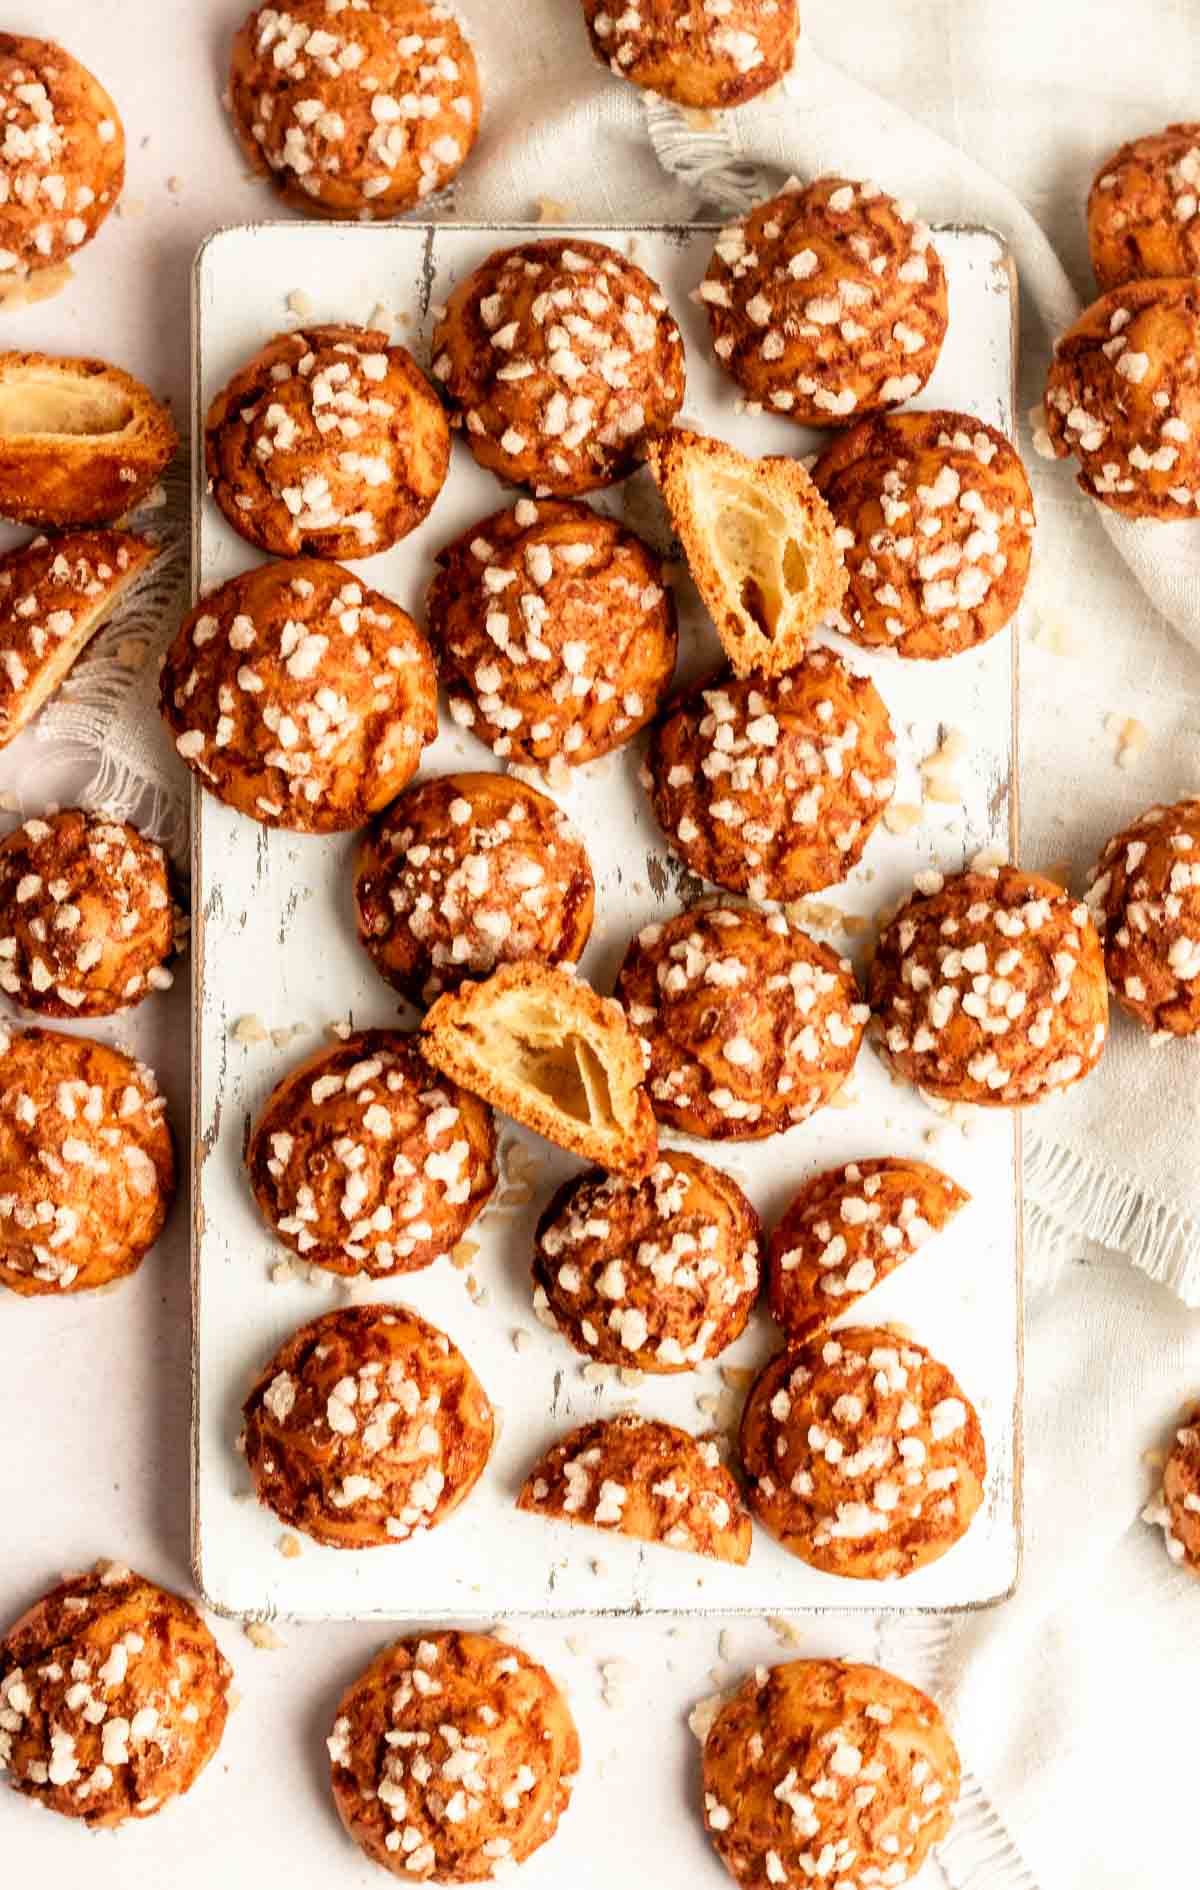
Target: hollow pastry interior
x,y
542,1046
44,405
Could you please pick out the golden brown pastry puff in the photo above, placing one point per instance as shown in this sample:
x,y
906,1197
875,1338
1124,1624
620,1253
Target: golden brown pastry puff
x,y
465,872
355,108
555,633
299,696
990,988
453,1758
113,1697
827,1763
693,52
330,441
827,302
367,1426
366,1160
1123,396
87,918
559,359
1144,894
62,163
1143,210
87,1170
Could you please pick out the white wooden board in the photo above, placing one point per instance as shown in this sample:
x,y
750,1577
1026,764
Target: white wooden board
x,y
274,938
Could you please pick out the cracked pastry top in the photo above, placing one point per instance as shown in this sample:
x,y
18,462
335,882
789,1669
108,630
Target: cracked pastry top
x,y
935,522
772,785
367,1161
357,110
990,988
559,359
55,594
367,1426
760,544
87,920
329,441
87,1170
639,1477
828,1763
658,1274
846,1230
62,163
554,632
747,1025
709,57
299,696
113,1697
1143,210
864,1456
81,442
453,1757
542,1046
1144,894
1123,396
465,872
826,302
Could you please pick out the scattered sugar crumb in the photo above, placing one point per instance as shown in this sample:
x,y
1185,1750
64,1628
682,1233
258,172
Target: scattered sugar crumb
x,y
464,1253
340,1027
631,1376
262,1634
250,1029
9,804
174,185
901,817
551,210
522,1339
300,303
787,1633
282,1272
938,781
989,857
1130,737
381,316
597,1373
285,1034
702,1715
478,1292
289,1546
1051,631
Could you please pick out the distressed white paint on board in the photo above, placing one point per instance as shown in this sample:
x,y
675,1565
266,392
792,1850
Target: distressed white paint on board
x,y
275,940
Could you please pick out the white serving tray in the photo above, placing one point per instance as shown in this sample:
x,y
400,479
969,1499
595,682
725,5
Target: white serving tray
x,y
274,938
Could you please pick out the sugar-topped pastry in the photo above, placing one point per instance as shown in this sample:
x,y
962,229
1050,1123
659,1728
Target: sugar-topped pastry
x,y
366,1160
559,359
864,1457
62,164
355,108
453,1757
1144,894
87,1170
709,57
1123,396
330,441
989,988
55,594
465,872
772,785
88,923
113,1697
554,631
1143,210
300,696
829,1767
658,1274
827,302
747,1024
366,1427
935,522
1176,1507
846,1230
760,544
639,1477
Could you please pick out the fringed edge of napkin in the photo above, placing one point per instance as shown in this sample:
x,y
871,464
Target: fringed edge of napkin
x,y
701,155
1079,1200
